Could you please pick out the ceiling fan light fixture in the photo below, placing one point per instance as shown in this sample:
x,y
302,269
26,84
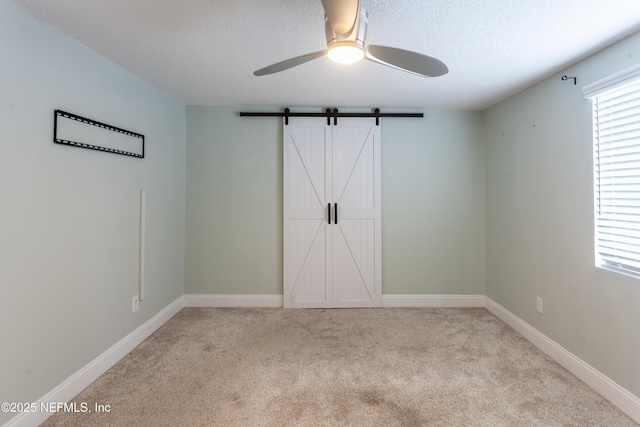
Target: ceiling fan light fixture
x,y
346,35
346,53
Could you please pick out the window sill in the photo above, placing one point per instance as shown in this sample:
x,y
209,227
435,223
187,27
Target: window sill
x,y
618,271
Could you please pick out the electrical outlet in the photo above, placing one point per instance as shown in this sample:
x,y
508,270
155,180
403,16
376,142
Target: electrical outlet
x,y
539,306
135,304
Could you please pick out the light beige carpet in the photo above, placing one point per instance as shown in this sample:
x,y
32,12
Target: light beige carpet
x,y
360,367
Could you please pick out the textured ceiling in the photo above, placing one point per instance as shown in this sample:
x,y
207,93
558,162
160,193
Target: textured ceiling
x,y
204,52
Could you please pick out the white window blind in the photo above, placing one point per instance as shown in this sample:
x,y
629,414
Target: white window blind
x,y
616,121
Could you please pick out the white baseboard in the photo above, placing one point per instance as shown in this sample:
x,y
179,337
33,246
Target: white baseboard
x,y
609,389
236,301
215,300
433,301
77,382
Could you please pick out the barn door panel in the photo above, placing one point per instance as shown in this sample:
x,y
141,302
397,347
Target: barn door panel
x,y
305,197
356,192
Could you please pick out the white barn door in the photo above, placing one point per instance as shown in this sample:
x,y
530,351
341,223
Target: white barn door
x,y
332,234
306,197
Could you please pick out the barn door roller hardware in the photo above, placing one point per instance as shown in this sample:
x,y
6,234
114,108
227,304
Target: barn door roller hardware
x,y
331,114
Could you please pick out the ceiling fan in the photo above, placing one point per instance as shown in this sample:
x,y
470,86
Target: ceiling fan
x,y
345,26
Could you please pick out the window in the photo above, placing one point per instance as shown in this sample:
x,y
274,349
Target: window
x,y
616,136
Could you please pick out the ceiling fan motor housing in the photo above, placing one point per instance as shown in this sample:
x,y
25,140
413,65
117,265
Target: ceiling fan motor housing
x,y
354,37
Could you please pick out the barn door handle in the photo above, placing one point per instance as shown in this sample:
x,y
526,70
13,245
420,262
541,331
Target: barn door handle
x,y
336,216
329,213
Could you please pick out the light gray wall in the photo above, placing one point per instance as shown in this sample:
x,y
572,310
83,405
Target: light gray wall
x,y
234,203
432,203
539,196
69,216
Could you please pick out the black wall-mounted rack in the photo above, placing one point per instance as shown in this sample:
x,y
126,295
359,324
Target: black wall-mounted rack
x,y
331,114
64,115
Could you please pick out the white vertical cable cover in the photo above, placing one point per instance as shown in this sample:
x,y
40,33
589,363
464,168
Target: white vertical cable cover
x,y
143,208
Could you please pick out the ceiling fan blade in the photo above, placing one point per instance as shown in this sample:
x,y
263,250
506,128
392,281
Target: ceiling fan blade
x,y
289,63
406,60
342,14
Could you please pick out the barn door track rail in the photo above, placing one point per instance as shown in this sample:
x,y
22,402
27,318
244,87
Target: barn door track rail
x,y
331,114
